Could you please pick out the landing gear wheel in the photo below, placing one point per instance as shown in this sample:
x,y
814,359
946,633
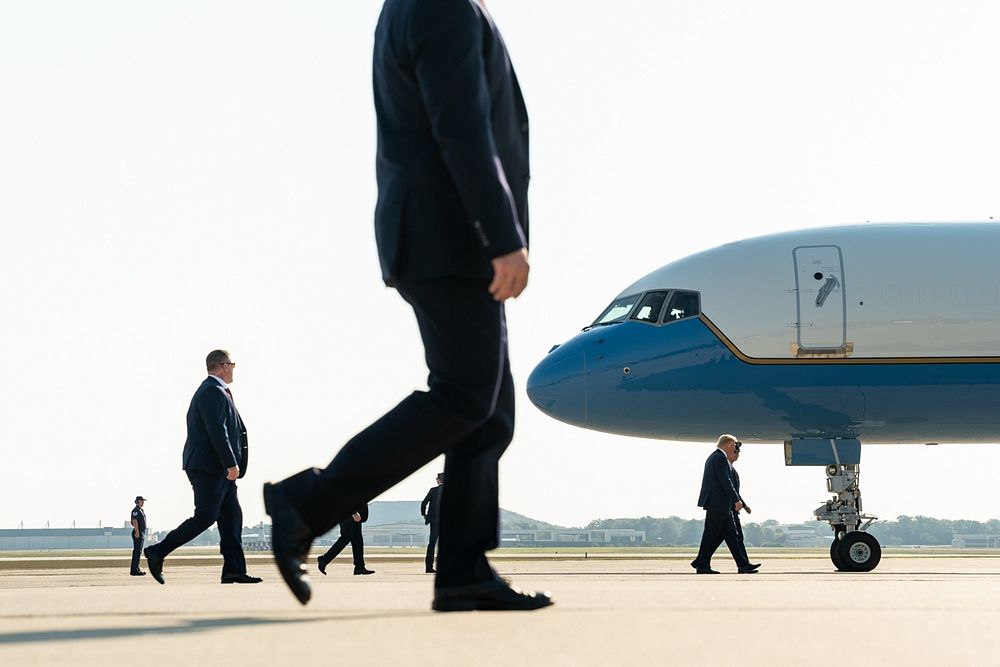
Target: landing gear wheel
x,y
835,553
857,552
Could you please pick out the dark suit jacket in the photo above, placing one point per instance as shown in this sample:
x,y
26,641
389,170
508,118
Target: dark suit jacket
x,y
216,435
452,160
430,506
718,492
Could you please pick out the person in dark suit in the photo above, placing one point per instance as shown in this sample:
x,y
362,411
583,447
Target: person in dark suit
x,y
350,531
721,502
746,508
138,522
430,509
451,224
215,456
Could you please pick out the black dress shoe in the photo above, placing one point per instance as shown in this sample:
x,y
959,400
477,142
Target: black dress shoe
x,y
321,564
155,564
363,570
137,573
430,570
706,570
753,566
240,579
492,595
290,541
747,570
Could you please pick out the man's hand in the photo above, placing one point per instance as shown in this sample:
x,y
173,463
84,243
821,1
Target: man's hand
x,y
510,275
232,473
136,533
738,505
356,517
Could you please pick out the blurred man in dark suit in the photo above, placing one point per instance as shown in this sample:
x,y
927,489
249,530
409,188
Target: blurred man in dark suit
x,y
721,502
451,225
430,509
350,531
215,455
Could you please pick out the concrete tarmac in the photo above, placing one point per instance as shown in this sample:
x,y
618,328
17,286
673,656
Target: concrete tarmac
x,y
609,611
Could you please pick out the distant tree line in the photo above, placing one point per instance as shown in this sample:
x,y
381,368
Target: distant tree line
x,y
928,530
917,530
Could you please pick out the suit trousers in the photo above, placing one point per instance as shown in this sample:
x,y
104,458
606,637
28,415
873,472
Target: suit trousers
x,y
721,526
431,543
215,501
136,551
350,531
739,534
467,414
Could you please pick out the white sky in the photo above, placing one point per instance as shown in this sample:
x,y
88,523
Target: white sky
x,y
180,176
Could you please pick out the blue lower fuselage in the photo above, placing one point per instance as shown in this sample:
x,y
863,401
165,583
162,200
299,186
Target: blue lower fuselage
x,y
683,382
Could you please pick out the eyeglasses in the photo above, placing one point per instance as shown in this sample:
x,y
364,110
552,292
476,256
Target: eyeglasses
x,y
228,363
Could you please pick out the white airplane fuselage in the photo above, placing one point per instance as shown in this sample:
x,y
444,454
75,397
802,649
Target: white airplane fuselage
x,y
885,333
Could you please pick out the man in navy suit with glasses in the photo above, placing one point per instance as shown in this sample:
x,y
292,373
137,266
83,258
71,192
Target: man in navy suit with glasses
x,y
215,456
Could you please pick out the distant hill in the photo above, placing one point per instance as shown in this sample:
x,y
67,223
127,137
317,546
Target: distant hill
x,y
382,512
514,521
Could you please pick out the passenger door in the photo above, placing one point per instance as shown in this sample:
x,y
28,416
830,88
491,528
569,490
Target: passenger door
x,y
821,300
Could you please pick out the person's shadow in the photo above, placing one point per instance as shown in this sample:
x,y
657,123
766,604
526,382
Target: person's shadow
x,y
181,627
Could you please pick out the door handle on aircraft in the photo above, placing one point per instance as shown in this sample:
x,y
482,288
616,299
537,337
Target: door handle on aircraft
x,y
831,284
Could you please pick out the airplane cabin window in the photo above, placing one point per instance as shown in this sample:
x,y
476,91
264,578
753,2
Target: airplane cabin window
x,y
617,311
682,304
650,307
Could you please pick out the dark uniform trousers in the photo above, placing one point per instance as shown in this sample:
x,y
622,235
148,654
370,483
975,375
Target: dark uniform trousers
x,y
721,526
215,500
350,531
136,550
431,542
467,414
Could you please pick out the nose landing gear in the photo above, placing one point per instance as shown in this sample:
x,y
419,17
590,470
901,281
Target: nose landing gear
x,y
853,549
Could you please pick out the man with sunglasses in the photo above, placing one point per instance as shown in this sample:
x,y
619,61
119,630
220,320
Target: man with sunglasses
x,y
733,458
215,456
720,498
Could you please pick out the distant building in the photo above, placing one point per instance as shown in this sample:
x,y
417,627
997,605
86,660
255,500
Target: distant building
x,y
396,535
976,541
41,539
573,537
797,535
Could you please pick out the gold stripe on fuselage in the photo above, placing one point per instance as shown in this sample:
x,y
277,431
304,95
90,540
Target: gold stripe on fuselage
x,y
848,361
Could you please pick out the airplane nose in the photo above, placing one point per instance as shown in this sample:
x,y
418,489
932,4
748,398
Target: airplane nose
x,y
558,385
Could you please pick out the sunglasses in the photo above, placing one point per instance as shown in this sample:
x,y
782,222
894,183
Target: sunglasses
x,y
738,445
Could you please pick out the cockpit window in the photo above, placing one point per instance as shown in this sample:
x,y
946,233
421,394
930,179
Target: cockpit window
x,y
650,307
617,311
682,304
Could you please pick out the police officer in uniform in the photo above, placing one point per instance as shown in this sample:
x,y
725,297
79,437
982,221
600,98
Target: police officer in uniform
x,y
138,535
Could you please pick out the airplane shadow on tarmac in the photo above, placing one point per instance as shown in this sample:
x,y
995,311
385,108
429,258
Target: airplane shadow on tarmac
x,y
182,627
